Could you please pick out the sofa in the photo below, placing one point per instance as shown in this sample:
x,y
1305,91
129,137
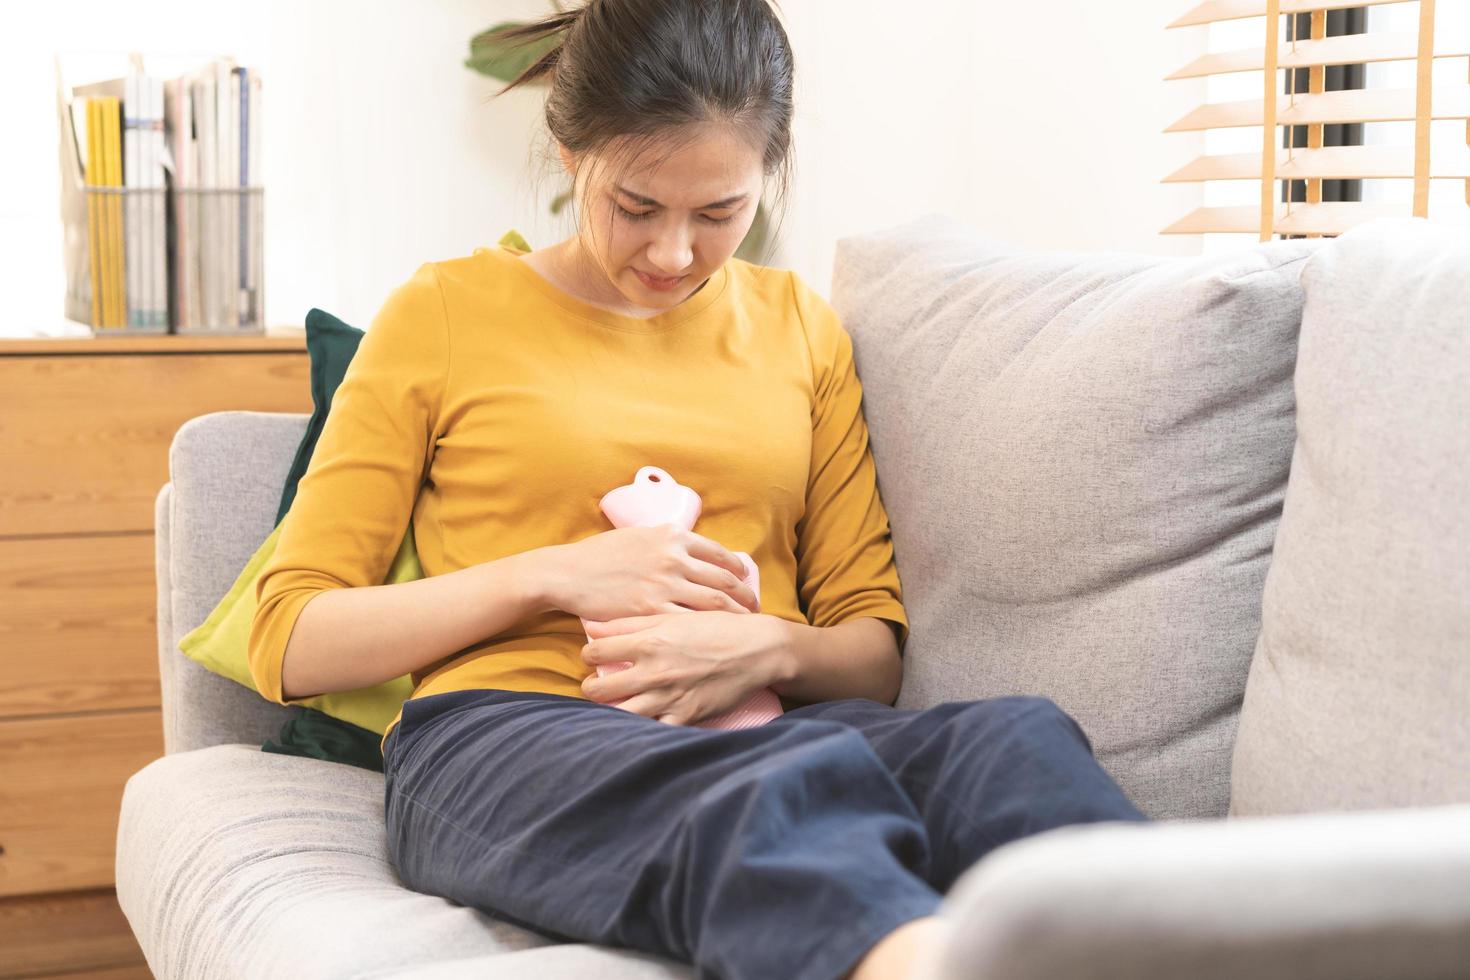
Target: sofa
x,y
1216,507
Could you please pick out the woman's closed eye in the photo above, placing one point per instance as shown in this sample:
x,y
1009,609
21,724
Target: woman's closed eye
x,y
640,215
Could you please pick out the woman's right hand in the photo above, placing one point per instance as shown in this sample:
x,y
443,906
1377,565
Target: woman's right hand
x,y
641,571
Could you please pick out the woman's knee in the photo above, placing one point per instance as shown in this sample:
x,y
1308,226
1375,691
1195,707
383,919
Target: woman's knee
x,y
817,770
765,827
1025,712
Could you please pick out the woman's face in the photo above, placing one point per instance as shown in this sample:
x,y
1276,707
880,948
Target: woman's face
x,y
678,219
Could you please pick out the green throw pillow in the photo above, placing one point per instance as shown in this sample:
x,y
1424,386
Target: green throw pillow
x,y
343,726
220,642
331,345
316,735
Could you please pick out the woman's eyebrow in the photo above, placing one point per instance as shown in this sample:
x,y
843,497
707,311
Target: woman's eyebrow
x,y
713,204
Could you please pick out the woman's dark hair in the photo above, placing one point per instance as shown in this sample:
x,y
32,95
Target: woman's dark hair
x,y
647,72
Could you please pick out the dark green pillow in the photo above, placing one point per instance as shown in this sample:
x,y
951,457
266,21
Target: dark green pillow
x,y
311,733
330,344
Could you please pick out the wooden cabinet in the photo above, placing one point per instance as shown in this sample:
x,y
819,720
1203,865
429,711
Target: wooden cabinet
x,y
85,427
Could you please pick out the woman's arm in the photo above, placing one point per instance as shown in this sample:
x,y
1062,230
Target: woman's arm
x,y
345,639
847,579
854,659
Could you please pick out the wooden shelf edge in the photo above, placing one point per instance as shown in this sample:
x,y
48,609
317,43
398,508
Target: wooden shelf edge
x,y
273,340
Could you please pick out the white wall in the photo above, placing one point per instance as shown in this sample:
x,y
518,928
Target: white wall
x,y
381,151
1045,129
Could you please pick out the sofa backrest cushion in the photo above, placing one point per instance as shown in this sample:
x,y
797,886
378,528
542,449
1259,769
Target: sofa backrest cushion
x,y
1083,456
226,470
1359,693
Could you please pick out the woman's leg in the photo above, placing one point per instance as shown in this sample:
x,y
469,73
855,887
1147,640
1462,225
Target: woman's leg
x,y
786,850
982,773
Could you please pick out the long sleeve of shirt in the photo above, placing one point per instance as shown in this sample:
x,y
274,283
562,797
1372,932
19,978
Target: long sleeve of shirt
x,y
492,410
355,500
844,552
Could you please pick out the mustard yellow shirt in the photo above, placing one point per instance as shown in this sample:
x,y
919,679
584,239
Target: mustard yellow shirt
x,y
493,410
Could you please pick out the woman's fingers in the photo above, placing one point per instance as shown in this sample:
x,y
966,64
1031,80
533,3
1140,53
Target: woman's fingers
x,y
647,704
610,687
738,596
702,597
710,550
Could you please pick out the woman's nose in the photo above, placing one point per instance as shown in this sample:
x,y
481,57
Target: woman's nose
x,y
671,255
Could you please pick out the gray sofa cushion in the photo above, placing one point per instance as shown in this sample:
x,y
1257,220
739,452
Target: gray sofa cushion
x,y
1083,457
225,475
1359,694
236,863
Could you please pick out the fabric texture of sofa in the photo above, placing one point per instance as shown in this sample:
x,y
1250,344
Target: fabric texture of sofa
x,y
1086,458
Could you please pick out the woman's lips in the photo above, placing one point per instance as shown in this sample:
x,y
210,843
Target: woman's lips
x,y
662,285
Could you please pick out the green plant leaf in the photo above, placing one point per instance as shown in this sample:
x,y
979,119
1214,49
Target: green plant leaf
x,y
505,60
752,247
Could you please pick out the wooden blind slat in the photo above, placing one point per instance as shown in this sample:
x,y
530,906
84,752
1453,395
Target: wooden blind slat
x,y
1214,11
1422,91
1316,83
1328,218
1344,49
1268,107
1375,162
1347,106
1240,218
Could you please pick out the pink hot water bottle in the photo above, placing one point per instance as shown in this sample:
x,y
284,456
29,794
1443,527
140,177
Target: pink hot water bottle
x,y
654,497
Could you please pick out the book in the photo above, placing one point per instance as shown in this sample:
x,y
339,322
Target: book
x,y
158,206
104,210
134,239
202,204
95,230
183,162
227,89
241,87
115,295
178,248
132,105
254,271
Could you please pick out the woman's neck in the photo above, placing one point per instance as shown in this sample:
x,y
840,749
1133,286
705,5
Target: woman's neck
x,y
570,269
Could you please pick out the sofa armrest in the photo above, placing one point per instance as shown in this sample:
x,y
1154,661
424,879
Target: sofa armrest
x,y
226,472
1366,894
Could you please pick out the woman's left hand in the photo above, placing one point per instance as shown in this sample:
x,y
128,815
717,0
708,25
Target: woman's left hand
x,y
686,666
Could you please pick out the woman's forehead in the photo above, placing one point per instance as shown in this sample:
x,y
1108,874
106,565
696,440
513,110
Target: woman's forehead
x,y
694,172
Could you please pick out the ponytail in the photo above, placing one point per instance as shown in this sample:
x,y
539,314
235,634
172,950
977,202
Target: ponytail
x,y
561,23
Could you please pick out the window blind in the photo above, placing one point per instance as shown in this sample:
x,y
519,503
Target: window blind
x,y
1312,110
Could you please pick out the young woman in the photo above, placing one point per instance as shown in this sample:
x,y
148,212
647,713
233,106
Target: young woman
x,y
493,401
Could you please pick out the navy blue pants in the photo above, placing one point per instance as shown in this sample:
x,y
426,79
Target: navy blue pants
x,y
786,850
